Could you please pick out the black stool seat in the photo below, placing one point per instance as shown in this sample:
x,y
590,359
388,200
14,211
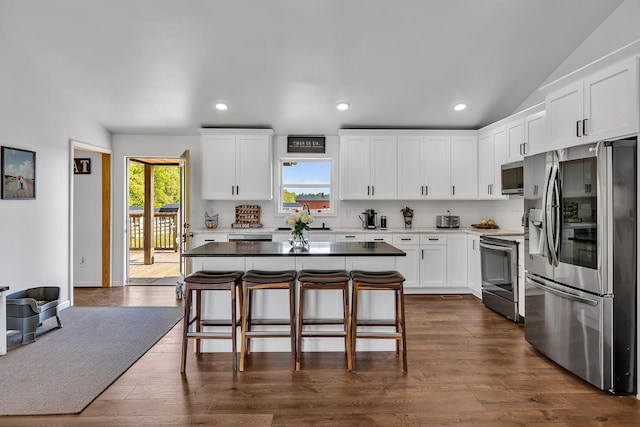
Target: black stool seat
x,y
198,282
262,280
324,280
269,277
379,281
377,277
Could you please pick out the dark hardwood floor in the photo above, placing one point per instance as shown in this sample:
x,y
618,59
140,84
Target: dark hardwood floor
x,y
467,367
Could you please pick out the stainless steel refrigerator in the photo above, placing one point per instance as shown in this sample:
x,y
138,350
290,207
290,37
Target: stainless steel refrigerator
x,y
580,260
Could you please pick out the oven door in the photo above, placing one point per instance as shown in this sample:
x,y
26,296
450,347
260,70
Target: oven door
x,y
499,269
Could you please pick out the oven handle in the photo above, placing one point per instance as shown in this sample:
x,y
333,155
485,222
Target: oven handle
x,y
496,247
560,293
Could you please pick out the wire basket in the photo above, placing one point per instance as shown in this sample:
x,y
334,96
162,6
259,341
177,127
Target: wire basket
x,y
210,222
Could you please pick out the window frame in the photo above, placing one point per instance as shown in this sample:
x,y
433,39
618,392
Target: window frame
x,y
332,199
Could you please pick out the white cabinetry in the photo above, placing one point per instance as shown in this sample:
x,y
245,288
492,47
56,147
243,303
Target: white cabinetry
x,y
464,167
474,272
408,266
369,167
515,140
457,260
603,105
424,167
433,260
491,156
236,164
535,134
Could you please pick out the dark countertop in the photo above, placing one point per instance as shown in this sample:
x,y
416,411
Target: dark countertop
x,y
241,249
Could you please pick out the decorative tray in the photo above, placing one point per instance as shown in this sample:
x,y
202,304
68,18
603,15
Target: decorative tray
x,y
484,226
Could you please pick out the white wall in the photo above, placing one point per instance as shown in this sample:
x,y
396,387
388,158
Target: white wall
x,y
35,114
87,223
618,30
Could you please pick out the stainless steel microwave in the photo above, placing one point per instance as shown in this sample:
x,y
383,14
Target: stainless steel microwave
x,y
513,178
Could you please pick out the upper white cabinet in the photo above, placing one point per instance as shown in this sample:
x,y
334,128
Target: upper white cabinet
x,y
600,106
492,153
535,134
514,132
236,164
464,167
424,167
369,167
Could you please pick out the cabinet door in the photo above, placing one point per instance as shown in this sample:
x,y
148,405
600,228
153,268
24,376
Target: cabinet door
x,y
254,176
611,102
464,167
474,275
433,265
515,140
219,167
409,266
384,167
436,167
355,165
564,116
499,159
486,165
410,182
457,260
535,135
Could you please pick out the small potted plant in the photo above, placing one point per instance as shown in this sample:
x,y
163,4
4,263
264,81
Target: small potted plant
x,y
407,213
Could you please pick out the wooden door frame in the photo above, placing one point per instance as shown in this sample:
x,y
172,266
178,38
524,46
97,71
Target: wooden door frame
x,y
106,210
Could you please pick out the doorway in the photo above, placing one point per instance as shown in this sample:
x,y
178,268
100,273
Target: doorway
x,y
154,202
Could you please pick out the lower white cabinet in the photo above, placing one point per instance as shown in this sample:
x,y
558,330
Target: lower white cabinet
x,y
200,239
457,261
409,265
474,274
433,260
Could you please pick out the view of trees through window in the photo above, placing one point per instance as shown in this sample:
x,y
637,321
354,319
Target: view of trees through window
x,y
306,182
166,183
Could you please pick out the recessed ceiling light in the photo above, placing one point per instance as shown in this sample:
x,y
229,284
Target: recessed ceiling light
x,y
342,106
222,106
459,107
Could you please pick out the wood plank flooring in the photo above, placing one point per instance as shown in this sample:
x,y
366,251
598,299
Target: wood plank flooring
x,y
468,366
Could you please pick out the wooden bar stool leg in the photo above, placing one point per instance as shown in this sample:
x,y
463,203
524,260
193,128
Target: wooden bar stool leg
x,y
234,346
404,332
292,324
397,317
185,327
299,330
197,318
354,325
347,325
243,334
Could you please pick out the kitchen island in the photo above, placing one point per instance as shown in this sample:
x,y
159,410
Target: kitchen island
x,y
244,256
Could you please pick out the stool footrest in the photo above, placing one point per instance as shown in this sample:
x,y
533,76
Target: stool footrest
x,y
325,334
209,335
259,322
374,335
332,321
218,322
376,322
268,334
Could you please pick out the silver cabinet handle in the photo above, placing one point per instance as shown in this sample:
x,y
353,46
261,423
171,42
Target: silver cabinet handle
x,y
233,190
426,190
422,190
453,188
578,128
488,188
378,239
584,127
405,239
373,190
368,190
422,254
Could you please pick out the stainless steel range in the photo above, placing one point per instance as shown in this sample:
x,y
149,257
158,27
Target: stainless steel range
x,y
499,255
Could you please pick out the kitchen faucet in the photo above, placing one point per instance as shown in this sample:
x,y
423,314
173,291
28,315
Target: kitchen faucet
x,y
307,205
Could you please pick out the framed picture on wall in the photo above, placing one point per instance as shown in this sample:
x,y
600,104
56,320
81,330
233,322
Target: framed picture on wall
x,y
18,173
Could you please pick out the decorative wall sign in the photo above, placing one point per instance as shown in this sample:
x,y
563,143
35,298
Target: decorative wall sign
x,y
82,166
306,144
18,173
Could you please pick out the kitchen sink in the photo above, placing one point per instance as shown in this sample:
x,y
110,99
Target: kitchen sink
x,y
310,229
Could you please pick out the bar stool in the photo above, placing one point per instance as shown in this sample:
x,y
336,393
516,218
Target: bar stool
x,y
199,281
324,280
375,281
256,280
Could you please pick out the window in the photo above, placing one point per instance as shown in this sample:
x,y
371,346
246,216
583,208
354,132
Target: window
x,y
305,183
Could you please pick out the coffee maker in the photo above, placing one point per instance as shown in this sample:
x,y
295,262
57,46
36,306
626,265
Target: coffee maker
x,y
369,219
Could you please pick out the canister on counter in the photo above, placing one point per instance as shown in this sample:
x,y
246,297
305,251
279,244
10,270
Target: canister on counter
x,y
383,222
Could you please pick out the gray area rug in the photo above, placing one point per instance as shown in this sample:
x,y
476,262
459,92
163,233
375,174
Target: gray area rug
x,y
66,369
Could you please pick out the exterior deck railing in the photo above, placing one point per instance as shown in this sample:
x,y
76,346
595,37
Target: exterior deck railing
x,y
164,227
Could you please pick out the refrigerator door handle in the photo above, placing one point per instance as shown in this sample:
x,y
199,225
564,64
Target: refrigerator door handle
x,y
562,294
550,228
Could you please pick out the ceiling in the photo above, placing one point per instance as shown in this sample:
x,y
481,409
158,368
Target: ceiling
x,y
159,66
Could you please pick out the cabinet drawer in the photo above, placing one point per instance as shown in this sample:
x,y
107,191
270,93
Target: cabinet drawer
x,y
349,237
406,239
433,239
379,238
200,239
